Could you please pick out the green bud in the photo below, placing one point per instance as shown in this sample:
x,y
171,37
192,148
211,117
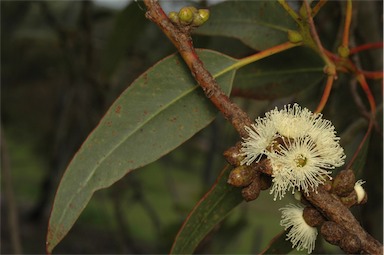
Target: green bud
x,y
343,51
294,36
201,17
186,15
174,17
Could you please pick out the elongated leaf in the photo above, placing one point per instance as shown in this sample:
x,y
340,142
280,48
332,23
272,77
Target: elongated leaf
x,y
208,212
161,109
280,75
259,24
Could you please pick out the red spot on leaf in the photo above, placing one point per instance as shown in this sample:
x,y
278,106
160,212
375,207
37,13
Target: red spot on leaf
x,y
118,109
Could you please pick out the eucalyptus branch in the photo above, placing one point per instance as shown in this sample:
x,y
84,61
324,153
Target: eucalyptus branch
x,y
328,204
183,42
337,212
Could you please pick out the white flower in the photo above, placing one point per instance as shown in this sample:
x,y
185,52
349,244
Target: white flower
x,y
302,148
301,164
292,122
261,135
301,235
360,192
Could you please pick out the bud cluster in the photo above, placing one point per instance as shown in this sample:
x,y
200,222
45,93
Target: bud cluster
x,y
250,178
189,16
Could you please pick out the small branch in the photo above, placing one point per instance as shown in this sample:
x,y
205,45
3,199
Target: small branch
x,y
327,91
330,66
334,210
183,42
367,46
347,24
317,7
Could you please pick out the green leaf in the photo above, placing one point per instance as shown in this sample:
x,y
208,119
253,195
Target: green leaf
x,y
207,213
278,245
259,24
279,75
159,111
128,26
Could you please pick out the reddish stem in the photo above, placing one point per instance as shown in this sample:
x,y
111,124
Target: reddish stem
x,y
183,42
367,46
327,91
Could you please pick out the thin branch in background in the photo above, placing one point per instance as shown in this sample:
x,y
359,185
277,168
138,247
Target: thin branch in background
x,y
347,24
12,212
326,93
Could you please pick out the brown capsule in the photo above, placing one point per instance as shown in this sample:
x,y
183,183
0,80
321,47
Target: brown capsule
x,y
350,243
252,191
344,183
332,232
233,156
312,216
264,166
241,176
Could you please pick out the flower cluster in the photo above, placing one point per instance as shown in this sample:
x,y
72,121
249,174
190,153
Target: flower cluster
x,y
302,148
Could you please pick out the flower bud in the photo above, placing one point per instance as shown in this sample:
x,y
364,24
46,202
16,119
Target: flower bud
x,y
174,17
332,232
351,244
241,176
343,51
312,216
233,156
186,15
252,191
200,17
264,166
343,183
294,36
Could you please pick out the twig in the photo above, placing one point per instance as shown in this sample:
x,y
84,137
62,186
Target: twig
x,y
334,210
183,42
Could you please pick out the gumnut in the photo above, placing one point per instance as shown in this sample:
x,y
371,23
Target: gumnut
x,y
241,176
344,183
312,216
252,191
350,243
332,232
233,156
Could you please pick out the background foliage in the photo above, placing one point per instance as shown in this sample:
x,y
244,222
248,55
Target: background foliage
x,y
64,63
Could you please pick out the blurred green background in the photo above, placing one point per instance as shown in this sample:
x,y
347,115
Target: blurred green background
x,y
64,62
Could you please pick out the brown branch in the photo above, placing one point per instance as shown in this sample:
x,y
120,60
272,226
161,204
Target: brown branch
x,y
183,42
335,211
